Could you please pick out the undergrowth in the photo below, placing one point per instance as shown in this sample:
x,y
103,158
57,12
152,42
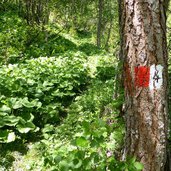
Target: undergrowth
x,y
59,101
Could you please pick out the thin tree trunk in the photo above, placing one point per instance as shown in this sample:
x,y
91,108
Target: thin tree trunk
x,y
99,25
27,2
20,7
74,14
109,31
144,52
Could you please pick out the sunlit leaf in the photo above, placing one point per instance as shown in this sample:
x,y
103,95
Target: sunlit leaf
x,y
5,108
82,142
29,126
138,166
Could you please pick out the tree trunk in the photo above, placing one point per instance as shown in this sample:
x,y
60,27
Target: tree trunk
x,y
99,25
74,14
144,53
110,29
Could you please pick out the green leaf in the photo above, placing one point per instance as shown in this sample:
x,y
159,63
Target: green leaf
x,y
3,114
63,165
3,135
132,160
138,165
17,105
14,103
6,136
80,154
26,103
29,126
86,126
77,163
82,142
9,121
37,103
48,128
30,82
5,108
26,117
57,159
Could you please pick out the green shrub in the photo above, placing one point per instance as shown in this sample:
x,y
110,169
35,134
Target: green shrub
x,y
12,37
87,138
19,41
38,92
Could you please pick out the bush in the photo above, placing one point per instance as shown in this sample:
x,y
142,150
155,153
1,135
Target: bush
x,y
88,137
38,92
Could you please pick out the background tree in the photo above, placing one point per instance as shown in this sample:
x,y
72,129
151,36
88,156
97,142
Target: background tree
x,y
144,53
99,25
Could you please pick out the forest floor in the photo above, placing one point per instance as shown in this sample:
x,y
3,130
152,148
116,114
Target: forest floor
x,y
96,107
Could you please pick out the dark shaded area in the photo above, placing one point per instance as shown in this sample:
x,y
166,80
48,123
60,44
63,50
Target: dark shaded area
x,y
89,49
83,34
6,157
105,72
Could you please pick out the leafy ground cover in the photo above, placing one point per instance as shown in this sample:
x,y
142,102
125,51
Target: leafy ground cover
x,y
60,102
60,95
90,137
39,90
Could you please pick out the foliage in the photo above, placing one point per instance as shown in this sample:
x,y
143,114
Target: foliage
x,y
19,42
36,92
56,84
87,138
82,141
12,37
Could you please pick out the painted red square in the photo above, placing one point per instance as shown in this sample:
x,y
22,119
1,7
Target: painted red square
x,y
142,76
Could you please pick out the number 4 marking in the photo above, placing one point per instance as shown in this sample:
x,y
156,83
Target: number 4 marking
x,y
156,78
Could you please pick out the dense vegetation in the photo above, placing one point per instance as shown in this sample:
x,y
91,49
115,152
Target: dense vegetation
x,y
61,91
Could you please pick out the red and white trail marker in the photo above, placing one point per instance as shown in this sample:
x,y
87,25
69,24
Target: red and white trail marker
x,y
149,76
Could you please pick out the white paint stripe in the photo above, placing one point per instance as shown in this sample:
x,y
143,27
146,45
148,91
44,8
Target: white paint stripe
x,y
156,77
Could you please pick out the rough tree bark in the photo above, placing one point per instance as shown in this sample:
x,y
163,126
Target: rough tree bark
x,y
37,11
144,54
